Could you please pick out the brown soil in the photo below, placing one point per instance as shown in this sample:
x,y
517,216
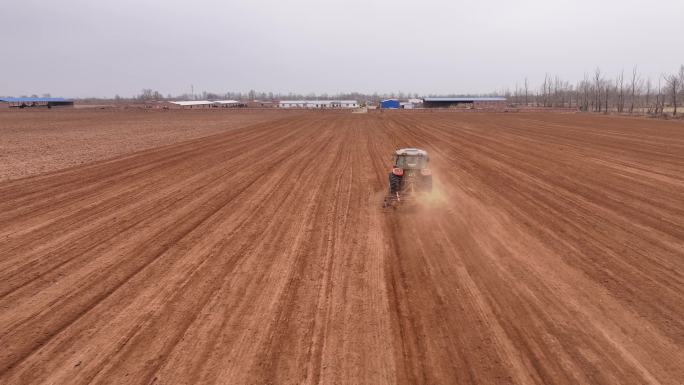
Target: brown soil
x,y
37,141
552,251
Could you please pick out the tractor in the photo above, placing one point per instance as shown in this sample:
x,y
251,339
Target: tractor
x,y
410,176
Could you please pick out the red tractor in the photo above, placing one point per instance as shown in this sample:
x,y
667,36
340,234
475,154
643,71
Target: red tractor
x,y
410,175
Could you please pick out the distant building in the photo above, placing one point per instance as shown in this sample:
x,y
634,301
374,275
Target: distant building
x,y
194,103
260,104
36,102
463,102
229,103
208,104
390,104
318,104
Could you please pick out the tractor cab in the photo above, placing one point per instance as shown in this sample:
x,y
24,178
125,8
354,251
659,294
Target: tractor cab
x,y
410,176
410,158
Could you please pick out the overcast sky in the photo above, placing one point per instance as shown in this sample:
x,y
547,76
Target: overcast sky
x,y
80,48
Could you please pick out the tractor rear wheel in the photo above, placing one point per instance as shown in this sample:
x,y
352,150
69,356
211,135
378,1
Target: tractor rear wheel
x,y
394,183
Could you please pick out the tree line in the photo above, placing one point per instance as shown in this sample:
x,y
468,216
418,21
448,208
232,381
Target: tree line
x,y
624,93
152,95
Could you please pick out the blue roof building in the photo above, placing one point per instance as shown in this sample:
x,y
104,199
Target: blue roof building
x,y
390,104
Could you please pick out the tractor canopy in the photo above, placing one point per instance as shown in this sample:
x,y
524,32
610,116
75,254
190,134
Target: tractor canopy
x,y
411,158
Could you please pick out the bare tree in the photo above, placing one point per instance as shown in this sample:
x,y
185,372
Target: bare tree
x,y
597,80
516,95
635,81
526,93
659,99
555,91
648,95
149,94
584,85
681,80
673,85
620,91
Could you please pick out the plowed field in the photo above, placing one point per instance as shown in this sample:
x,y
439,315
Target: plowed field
x,y
41,140
551,251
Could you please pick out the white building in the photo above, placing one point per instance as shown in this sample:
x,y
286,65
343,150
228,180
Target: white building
x,y
227,103
193,103
318,104
208,104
